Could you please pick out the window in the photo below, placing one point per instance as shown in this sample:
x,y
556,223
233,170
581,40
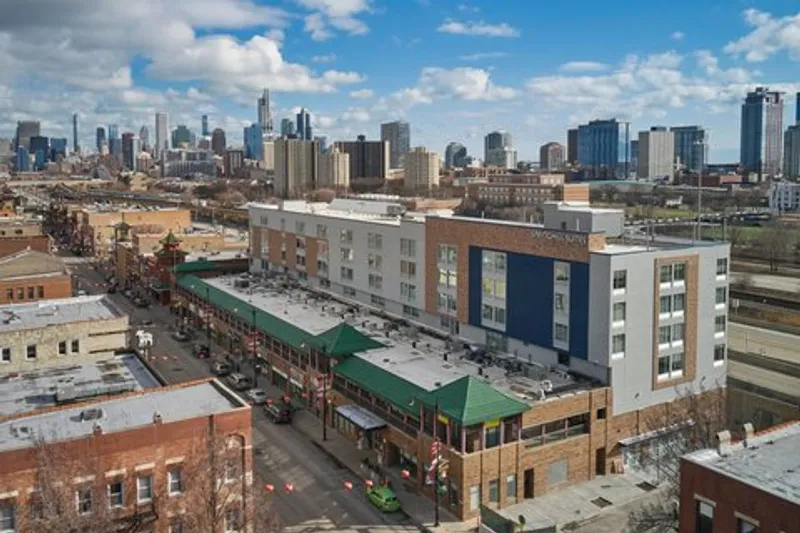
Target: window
x,y
496,342
144,489
448,278
619,311
601,413
283,224
447,302
719,325
233,520
231,471
347,254
264,220
175,481
346,274
116,496
666,274
745,526
83,498
8,518
664,335
375,241
408,291
375,261
719,353
349,291
562,272
40,291
10,295
413,312
376,281
620,280
322,231
679,272
557,473
665,305
721,296
474,497
495,288
618,344
677,333
377,301
678,303
62,348
494,491
76,346
511,487
346,236
670,366
299,227
408,269
408,247
560,302
31,293
722,267
447,254
494,261
5,355
176,526
21,293
562,332
30,352
705,518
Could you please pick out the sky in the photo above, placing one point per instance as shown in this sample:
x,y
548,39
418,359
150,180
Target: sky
x,y
455,70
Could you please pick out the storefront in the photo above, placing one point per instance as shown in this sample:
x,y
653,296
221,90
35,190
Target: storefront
x,y
358,424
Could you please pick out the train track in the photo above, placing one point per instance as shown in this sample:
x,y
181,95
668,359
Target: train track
x,y
766,299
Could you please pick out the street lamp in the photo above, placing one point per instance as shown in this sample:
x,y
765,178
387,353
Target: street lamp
x,y
702,143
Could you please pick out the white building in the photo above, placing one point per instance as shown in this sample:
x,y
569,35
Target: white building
x,y
162,134
784,197
656,154
269,155
421,169
334,169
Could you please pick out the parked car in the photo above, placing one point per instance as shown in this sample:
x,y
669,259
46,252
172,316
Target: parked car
x,y
180,336
221,368
239,381
141,302
257,396
384,498
112,289
127,293
200,351
279,412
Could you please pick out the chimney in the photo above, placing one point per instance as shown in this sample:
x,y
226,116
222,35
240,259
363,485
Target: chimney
x,y
749,433
724,442
157,418
97,430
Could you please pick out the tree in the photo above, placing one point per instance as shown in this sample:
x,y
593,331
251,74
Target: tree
x,y
689,423
774,243
735,236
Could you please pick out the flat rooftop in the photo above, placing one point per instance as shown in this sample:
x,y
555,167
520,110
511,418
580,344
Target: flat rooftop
x,y
15,317
47,387
388,213
428,360
113,415
769,462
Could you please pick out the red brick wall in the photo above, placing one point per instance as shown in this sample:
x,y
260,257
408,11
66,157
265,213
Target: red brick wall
x,y
12,245
54,287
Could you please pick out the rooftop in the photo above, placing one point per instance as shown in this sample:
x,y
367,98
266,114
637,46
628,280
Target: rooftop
x,y
15,317
113,415
47,387
389,213
769,462
30,263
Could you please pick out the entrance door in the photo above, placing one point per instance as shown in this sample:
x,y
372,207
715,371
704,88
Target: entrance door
x,y
600,461
529,477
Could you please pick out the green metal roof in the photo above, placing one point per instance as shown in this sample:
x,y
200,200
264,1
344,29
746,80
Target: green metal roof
x,y
201,265
344,339
471,401
394,389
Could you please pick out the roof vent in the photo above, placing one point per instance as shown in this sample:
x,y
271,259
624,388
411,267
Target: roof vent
x,y
749,433
94,413
156,417
723,442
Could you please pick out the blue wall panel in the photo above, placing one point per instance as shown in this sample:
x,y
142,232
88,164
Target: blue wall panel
x,y
475,286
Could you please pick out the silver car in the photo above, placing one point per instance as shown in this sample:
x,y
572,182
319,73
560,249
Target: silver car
x,y
257,396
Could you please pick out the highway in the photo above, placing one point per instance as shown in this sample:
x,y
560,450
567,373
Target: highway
x,y
775,344
282,454
770,282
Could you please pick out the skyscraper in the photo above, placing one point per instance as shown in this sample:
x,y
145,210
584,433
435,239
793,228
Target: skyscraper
x,y
265,113
334,169
551,156
398,134
690,147
181,135
144,138
656,154
498,147
762,132
162,134
128,152
75,145
572,146
40,147
304,130
421,169
254,142
114,141
604,148
368,159
287,127
204,125
25,130
100,139
22,161
58,148
454,155
797,109
791,154
296,166
218,142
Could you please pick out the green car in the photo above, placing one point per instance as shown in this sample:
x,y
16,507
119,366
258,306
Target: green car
x,y
384,499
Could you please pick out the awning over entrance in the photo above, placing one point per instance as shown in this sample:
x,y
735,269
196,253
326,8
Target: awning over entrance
x,y
361,417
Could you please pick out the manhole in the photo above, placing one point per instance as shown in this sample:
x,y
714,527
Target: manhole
x,y
645,486
602,502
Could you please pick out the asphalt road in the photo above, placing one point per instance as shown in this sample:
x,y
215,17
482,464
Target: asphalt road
x,y
769,282
282,454
775,344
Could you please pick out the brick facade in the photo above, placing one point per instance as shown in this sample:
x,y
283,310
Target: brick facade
x,y
12,245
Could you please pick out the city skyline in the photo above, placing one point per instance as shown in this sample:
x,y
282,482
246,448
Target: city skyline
x,y
679,74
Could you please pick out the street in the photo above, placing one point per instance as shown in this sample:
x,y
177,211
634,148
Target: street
x,y
775,344
282,453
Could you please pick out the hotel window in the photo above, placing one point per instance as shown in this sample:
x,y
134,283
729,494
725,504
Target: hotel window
x,y
664,335
618,345
745,526
346,274
347,254
666,274
377,301
721,296
408,269
704,514
40,291
619,312
494,491
144,489
620,280
678,303
494,261
408,247
299,227
665,305
494,287
375,261
116,494
21,293
670,366
375,241
719,325
30,352
562,332
447,254
448,278
413,312
264,220
722,267
346,236
562,272
375,281
31,293
5,355
447,302
322,231
560,302
719,353
408,291
10,295
677,333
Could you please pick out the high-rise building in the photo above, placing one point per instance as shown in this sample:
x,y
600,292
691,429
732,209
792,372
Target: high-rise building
x,y
100,139
635,153
40,148
22,161
287,127
791,152
656,154
204,125
144,138
498,148
603,148
234,160
218,142
129,152
572,146
58,148
551,156
334,169
368,159
268,151
421,169
75,144
398,133
265,113
797,109
762,132
25,130
296,166
304,130
323,142
690,147
455,155
181,136
114,141
162,134
254,142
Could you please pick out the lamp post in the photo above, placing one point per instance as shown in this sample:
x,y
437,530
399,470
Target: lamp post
x,y
207,306
702,143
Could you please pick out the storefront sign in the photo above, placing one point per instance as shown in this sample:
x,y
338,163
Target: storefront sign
x,y
443,419
565,237
492,424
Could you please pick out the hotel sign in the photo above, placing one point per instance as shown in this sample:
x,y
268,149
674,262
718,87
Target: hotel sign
x,y
564,237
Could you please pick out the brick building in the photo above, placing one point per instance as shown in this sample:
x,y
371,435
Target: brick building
x,y
745,487
529,194
17,235
28,276
142,461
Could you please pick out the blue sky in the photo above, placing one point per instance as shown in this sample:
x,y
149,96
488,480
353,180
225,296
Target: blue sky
x,y
454,69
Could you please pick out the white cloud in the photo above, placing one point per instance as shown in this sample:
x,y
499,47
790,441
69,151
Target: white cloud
x,y
478,29
480,56
362,94
329,15
769,36
583,66
466,8
327,58
355,114
677,36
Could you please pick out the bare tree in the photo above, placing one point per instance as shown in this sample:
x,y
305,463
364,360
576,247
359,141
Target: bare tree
x,y
774,243
690,423
147,229
735,236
